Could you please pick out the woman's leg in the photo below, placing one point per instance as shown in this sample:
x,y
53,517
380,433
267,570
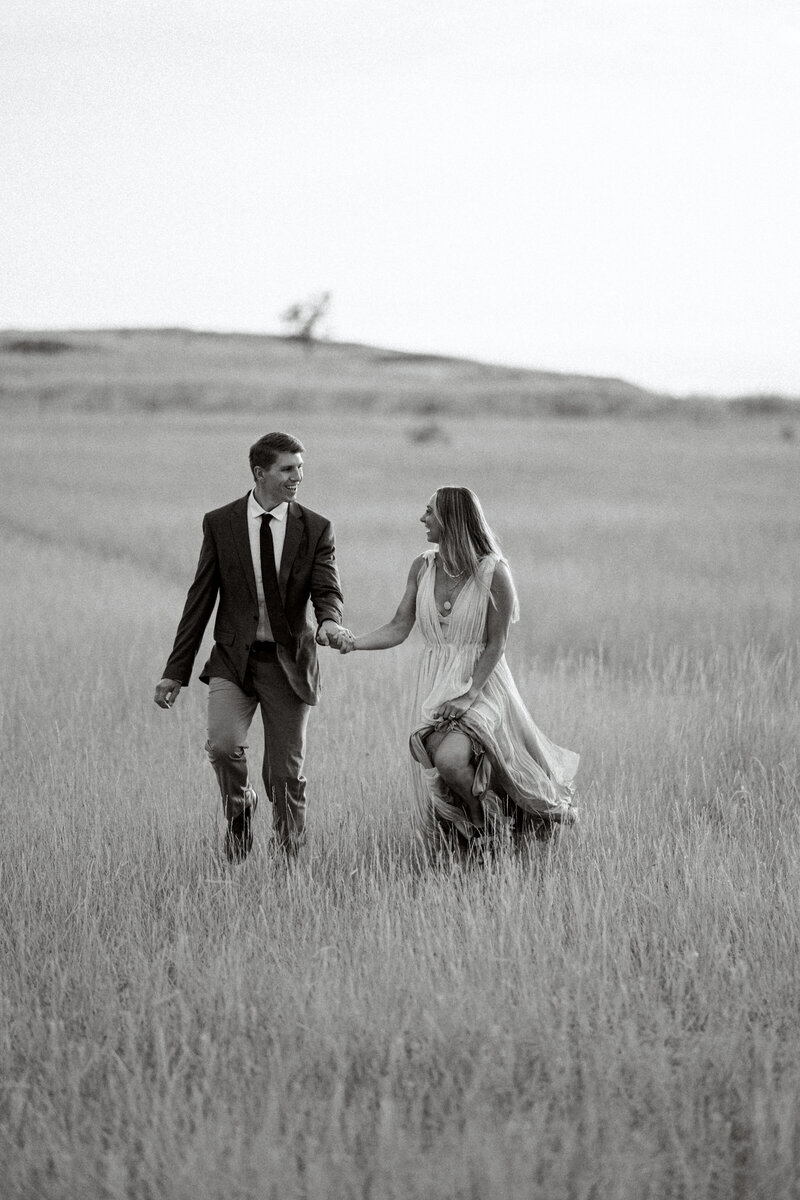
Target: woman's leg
x,y
452,758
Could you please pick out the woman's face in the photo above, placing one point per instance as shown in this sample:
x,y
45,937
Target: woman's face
x,y
431,522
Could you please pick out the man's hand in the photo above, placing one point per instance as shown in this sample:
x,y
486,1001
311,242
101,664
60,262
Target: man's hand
x,y
328,633
167,692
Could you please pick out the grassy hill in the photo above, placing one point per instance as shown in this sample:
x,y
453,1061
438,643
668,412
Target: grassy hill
x,y
179,369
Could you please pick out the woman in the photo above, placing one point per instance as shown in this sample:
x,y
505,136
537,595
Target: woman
x,y
485,764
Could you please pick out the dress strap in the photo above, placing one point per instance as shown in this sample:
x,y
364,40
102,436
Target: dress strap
x,y
486,572
427,558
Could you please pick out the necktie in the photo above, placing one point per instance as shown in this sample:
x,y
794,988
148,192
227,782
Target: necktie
x,y
269,577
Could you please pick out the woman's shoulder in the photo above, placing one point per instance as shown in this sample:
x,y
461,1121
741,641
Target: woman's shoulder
x,y
420,563
497,575
501,573
501,586
487,566
498,563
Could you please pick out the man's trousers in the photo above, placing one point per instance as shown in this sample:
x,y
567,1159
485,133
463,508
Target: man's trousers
x,y
230,714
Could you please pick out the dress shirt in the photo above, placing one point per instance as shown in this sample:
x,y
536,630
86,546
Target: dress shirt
x,y
255,515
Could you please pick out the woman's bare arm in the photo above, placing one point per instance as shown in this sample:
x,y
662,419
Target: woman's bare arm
x,y
397,630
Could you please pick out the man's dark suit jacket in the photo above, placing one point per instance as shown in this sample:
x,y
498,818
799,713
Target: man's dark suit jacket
x,y
225,569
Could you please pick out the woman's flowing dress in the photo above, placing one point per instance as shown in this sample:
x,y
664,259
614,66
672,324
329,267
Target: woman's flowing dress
x,y
513,759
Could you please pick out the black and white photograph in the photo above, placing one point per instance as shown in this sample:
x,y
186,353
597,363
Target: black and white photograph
x,y
400,544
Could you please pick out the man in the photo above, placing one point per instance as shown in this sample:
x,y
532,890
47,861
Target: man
x,y
265,556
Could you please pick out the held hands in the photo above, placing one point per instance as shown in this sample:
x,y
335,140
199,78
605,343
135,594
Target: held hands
x,y
324,632
346,643
336,636
167,693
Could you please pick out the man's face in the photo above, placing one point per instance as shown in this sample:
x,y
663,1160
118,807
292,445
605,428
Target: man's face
x,y
280,481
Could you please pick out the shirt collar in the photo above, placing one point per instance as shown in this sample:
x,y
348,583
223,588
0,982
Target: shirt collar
x,y
255,510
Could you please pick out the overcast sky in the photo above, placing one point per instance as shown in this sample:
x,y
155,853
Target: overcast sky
x,y
609,187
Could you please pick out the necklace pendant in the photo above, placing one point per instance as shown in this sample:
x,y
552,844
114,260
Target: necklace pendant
x,y
447,606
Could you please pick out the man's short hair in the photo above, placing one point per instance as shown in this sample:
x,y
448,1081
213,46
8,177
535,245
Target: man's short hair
x,y
264,452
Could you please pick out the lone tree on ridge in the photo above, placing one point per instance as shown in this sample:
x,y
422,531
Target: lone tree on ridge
x,y
303,318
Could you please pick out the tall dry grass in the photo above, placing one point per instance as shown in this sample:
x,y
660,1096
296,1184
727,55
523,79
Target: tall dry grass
x,y
613,1016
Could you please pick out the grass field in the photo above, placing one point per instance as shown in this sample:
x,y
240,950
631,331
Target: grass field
x,y
615,1017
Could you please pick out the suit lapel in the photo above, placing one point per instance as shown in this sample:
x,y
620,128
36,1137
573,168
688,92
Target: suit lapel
x,y
241,539
294,535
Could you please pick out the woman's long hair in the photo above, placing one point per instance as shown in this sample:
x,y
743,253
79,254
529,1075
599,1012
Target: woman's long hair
x,y
466,537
